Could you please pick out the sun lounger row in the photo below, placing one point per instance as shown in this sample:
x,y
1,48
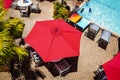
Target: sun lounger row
x,y
104,39
82,23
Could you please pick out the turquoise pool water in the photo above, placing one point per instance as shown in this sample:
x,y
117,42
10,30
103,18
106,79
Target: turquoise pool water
x,y
105,13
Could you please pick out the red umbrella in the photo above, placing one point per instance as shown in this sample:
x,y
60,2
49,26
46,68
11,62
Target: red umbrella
x,y
54,40
7,3
112,68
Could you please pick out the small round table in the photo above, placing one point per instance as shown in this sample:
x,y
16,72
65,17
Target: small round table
x,y
24,3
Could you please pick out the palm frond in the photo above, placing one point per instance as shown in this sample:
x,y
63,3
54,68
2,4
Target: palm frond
x,y
21,52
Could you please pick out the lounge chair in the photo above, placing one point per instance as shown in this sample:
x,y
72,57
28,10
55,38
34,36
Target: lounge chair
x,y
24,11
74,18
93,29
35,7
100,74
82,24
104,39
62,67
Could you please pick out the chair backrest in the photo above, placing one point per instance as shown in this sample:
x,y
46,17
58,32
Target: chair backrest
x,y
91,30
104,39
106,35
95,28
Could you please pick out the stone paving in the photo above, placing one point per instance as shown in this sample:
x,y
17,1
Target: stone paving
x,y
91,56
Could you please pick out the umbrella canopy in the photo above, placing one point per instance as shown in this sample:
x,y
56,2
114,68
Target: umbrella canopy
x,y
54,40
112,68
7,3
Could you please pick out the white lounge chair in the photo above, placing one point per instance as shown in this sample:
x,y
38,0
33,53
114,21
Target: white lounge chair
x,y
93,29
104,39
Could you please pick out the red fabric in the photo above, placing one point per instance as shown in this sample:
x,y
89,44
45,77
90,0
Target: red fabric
x,y
74,15
7,3
112,68
54,39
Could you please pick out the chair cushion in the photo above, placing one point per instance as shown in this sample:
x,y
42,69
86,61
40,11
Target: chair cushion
x,y
75,17
94,27
106,35
83,23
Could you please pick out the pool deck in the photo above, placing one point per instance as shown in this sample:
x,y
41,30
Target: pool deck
x,y
91,56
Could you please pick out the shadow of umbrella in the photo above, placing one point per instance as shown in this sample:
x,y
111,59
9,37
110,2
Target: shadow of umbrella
x,y
31,74
51,69
73,61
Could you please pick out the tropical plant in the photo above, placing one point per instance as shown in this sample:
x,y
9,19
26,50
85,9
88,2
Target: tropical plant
x,y
60,11
5,43
9,30
7,48
16,25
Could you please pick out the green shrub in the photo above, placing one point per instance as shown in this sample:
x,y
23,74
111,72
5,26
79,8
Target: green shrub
x,y
16,26
60,11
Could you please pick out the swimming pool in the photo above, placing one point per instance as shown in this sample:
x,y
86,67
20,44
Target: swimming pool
x,y
104,13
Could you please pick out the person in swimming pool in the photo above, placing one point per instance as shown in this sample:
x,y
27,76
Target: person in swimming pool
x,y
82,10
90,10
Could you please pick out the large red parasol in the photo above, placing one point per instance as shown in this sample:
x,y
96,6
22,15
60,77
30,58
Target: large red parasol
x,y
54,40
112,68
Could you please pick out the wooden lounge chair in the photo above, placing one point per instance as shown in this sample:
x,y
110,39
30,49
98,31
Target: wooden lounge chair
x,y
93,29
62,67
104,39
